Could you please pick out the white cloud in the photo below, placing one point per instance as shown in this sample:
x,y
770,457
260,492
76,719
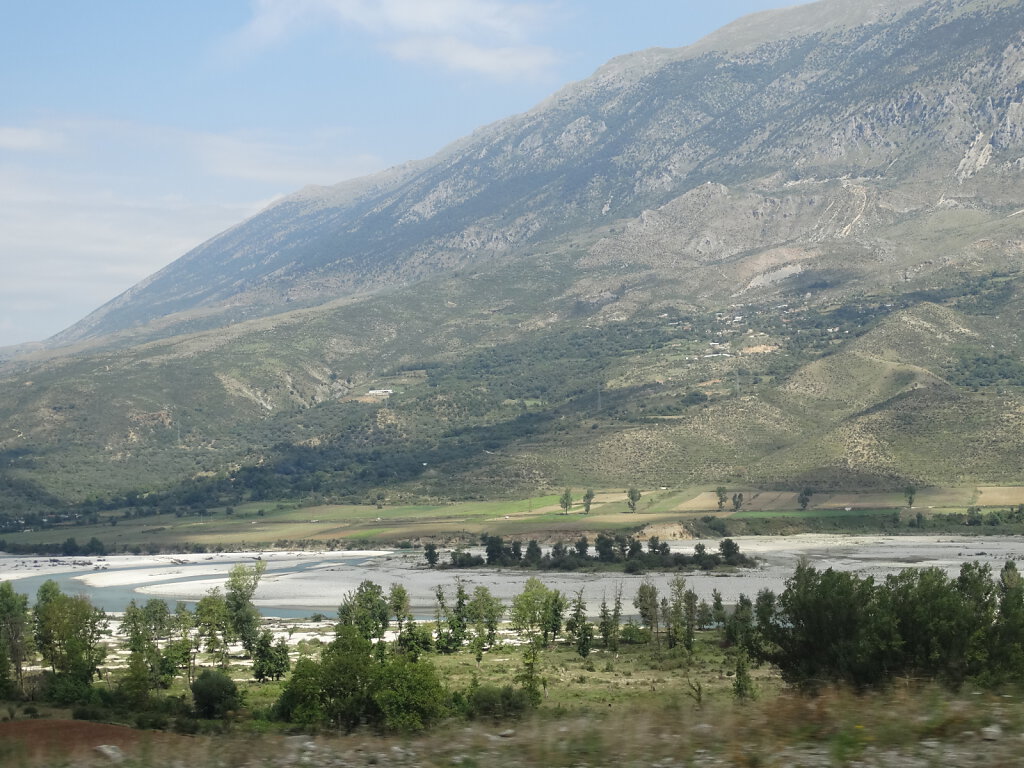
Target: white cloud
x,y
290,164
18,139
489,37
124,199
452,53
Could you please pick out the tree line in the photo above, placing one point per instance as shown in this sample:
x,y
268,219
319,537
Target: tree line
x,y
825,627
610,551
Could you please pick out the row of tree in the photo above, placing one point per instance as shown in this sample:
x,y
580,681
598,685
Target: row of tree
x,y
69,634
626,551
832,626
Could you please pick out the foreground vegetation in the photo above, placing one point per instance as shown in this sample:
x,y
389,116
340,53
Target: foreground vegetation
x,y
835,669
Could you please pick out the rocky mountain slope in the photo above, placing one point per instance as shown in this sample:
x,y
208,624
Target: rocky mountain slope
x,y
788,254
832,127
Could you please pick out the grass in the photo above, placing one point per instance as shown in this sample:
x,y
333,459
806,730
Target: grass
x,y
257,526
807,514
638,713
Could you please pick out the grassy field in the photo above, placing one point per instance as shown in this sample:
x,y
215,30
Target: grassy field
x,y
267,525
638,706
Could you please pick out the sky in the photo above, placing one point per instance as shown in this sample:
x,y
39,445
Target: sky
x,y
133,130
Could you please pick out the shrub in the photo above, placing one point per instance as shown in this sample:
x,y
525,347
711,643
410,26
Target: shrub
x,y
214,694
497,702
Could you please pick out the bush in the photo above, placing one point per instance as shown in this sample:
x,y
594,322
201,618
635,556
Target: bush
x,y
408,695
634,634
496,702
90,712
214,694
66,689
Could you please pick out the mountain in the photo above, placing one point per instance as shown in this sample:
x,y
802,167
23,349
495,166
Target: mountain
x,y
787,254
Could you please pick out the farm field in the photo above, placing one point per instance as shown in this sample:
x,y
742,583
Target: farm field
x,y
266,525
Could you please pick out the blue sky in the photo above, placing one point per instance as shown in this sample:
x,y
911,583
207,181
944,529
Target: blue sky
x,y
132,130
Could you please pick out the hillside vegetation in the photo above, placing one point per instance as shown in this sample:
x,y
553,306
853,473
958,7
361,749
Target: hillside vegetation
x,y
788,256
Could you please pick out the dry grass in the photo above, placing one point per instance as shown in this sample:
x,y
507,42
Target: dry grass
x,y
908,726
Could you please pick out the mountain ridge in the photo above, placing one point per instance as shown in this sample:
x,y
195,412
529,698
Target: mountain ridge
x,y
745,267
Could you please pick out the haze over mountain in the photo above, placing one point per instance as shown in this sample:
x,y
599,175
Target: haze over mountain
x,y
779,256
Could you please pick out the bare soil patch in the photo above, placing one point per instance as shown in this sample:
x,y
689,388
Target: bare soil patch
x,y
46,739
989,495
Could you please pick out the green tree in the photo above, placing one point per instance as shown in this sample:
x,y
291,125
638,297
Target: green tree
x,y
15,632
452,620
533,553
722,493
582,546
737,501
184,644
632,497
804,498
910,492
529,677
485,613
578,627
742,683
398,605
527,610
269,659
555,604
430,553
239,591
366,609
213,625
646,604
214,694
565,502
588,499
407,696
69,633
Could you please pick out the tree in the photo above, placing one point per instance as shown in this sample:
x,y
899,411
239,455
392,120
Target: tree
x,y
717,608
485,613
214,694
804,498
452,621
239,591
533,553
722,495
910,492
398,605
430,553
646,604
605,546
588,499
348,686
729,550
529,676
632,497
69,633
213,625
407,696
269,660
366,609
579,629
737,501
582,545
565,502
527,610
742,684
143,628
184,644
555,604
15,633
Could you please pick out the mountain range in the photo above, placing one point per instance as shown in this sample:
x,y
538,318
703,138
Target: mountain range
x,y
788,255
